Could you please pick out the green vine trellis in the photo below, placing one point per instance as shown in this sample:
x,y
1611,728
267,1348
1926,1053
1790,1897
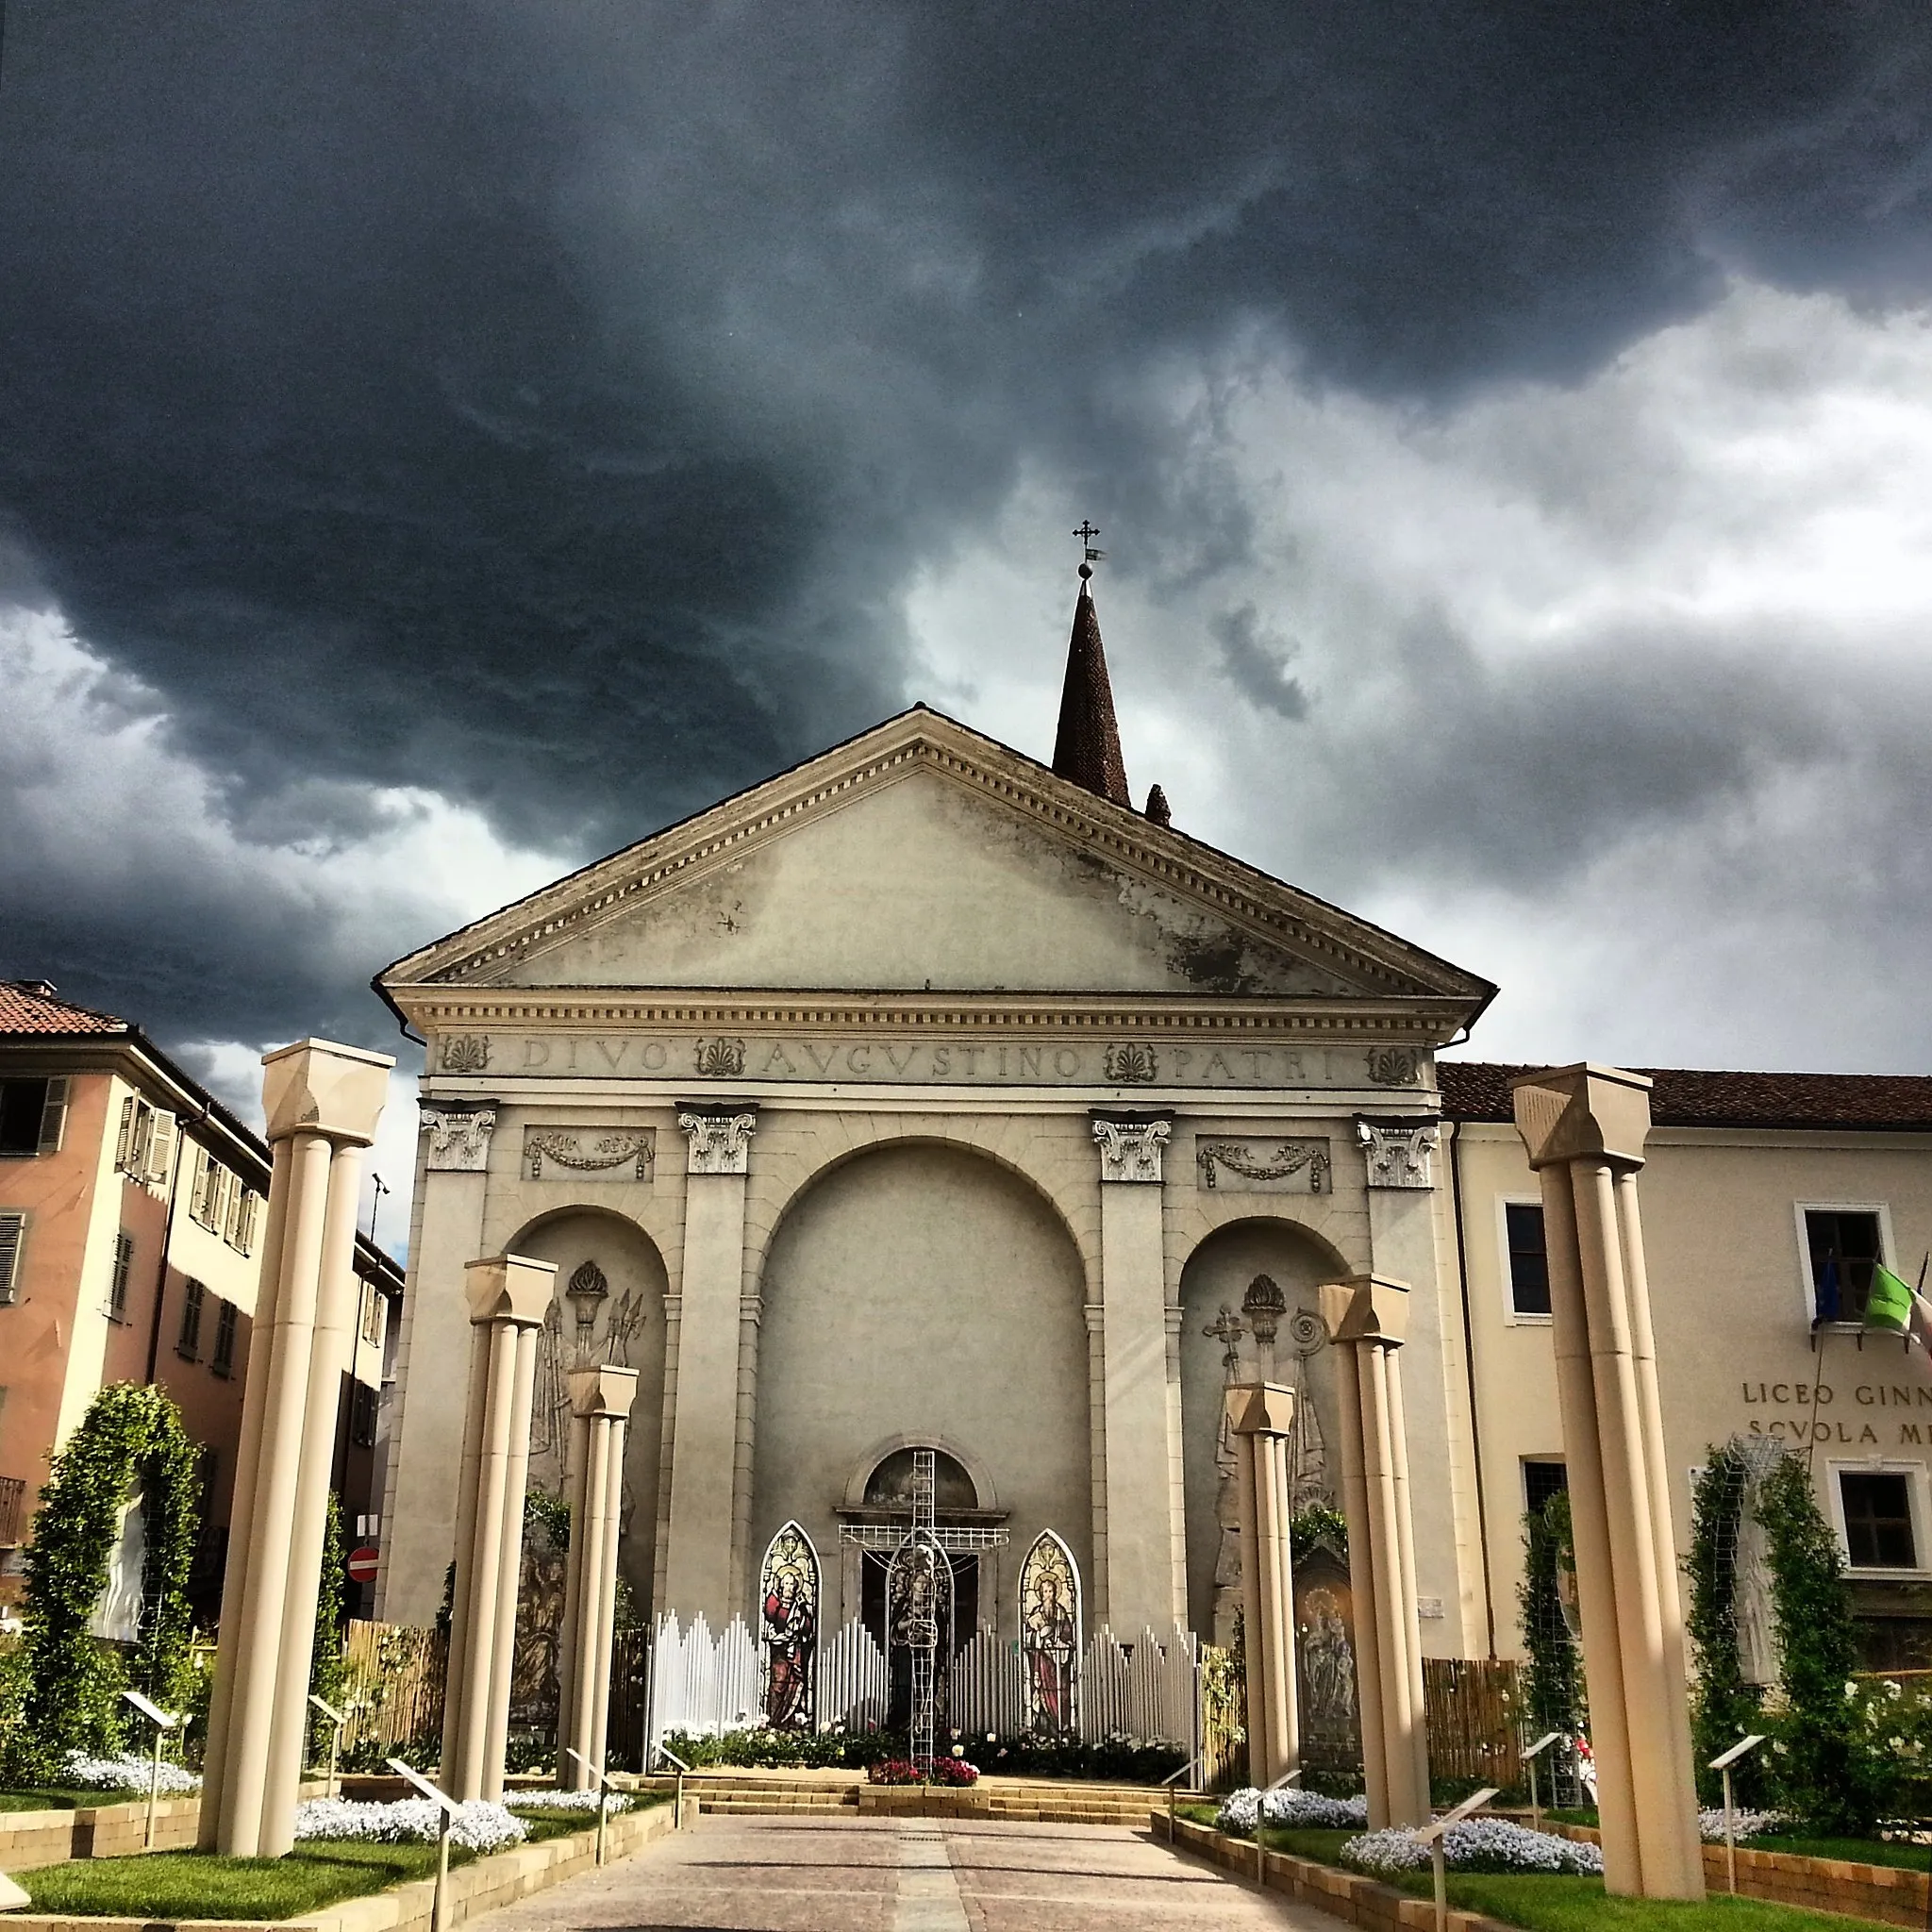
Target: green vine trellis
x,y
1820,1767
1722,1706
131,1439
1554,1695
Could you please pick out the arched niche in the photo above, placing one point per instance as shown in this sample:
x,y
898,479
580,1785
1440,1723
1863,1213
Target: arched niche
x,y
922,1295
619,1311
1219,1276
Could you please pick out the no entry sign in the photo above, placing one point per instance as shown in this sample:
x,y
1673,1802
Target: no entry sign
x,y
362,1564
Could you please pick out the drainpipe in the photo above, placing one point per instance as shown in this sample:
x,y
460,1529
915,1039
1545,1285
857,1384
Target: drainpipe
x,y
154,1331
1476,1427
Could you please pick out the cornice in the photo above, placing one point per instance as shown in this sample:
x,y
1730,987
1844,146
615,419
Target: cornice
x,y
921,740
440,1009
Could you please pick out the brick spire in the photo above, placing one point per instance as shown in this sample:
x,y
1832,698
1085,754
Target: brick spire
x,y
1088,746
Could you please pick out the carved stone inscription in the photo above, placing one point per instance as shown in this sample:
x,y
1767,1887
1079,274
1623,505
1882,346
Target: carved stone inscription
x,y
895,1061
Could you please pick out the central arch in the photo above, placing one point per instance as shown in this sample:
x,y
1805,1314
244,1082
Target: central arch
x,y
921,1292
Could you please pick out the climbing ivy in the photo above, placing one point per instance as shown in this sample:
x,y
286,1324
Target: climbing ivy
x,y
1723,1707
131,1439
1820,1765
328,1668
1555,1694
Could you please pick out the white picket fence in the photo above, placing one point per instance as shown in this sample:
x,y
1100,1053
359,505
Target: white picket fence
x,y
1148,1691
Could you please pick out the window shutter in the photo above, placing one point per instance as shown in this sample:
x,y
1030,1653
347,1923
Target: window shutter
x,y
126,1147
251,1206
12,1239
161,1140
54,1117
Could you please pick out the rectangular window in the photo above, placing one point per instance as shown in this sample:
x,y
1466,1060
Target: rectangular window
x,y
12,1244
1529,1264
1844,1243
1878,1519
208,1182
33,1115
124,1266
223,1360
1541,1481
188,1343
372,1315
363,1414
240,1231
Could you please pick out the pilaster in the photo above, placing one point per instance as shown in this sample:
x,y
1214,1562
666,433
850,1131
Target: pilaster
x,y
1139,1566
420,1514
704,1461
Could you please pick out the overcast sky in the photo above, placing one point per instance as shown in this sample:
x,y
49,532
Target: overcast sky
x,y
440,444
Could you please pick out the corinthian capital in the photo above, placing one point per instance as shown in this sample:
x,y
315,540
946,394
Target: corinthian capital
x,y
459,1137
1398,1153
720,1142
1131,1150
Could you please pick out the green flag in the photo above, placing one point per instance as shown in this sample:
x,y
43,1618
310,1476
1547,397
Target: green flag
x,y
1889,1304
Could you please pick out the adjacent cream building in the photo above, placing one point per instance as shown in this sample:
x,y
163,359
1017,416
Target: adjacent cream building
x,y
1764,1196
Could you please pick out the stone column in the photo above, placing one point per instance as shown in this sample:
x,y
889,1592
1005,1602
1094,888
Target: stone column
x,y
1367,1317
704,1436
509,1298
1133,1286
323,1102
1261,1416
600,1400
418,1507
1585,1127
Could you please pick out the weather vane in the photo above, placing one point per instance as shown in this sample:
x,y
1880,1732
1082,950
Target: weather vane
x,y
1087,532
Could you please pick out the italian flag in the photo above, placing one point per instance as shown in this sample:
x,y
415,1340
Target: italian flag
x,y
1892,1305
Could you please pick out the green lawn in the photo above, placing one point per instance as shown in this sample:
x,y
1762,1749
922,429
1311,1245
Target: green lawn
x,y
199,1884
1550,1903
59,1798
1859,1851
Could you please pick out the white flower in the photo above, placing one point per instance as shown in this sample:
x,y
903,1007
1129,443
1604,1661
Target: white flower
x,y
478,1826
564,1801
1476,1845
1305,1810
127,1772
1711,1823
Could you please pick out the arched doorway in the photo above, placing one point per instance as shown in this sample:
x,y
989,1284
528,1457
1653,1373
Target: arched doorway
x,y
921,1294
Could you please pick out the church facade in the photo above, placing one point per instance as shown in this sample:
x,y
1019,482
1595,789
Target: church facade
x,y
926,1097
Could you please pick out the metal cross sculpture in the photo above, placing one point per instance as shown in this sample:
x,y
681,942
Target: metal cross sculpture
x,y
1087,532
1227,1329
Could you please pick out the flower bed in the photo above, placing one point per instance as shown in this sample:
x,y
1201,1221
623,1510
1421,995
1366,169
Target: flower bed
x,y
954,1772
566,1801
127,1772
1711,1824
1290,1810
1476,1845
478,1826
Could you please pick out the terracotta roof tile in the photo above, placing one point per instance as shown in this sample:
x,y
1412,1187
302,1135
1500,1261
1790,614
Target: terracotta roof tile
x,y
31,1006
1689,1097
1087,747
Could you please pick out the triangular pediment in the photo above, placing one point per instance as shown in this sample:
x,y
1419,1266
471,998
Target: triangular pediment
x,y
922,857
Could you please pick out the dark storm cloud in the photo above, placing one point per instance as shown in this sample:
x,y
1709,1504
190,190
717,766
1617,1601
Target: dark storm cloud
x,y
545,405
1256,660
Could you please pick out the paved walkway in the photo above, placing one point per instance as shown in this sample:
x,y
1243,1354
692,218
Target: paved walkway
x,y
852,1874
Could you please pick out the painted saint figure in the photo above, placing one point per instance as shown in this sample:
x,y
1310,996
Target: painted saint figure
x,y
789,1621
1050,1633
